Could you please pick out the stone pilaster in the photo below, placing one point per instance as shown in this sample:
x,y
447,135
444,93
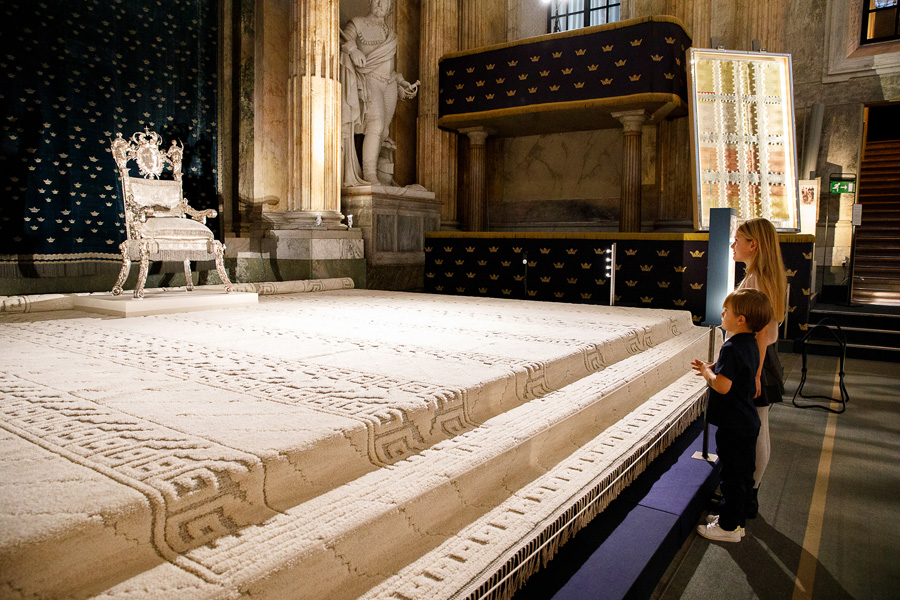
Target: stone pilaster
x,y
437,149
630,203
475,213
314,118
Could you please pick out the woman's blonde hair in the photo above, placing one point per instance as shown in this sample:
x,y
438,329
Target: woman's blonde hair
x,y
767,263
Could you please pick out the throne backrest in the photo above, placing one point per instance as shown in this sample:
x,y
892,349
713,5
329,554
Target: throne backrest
x,y
148,191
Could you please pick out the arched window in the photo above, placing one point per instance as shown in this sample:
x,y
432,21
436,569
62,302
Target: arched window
x,y
565,15
880,21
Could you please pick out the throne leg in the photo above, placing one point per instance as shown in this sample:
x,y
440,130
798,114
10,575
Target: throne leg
x,y
123,273
187,276
142,274
220,266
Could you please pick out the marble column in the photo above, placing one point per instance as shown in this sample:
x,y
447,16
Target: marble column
x,y
630,203
475,209
437,149
314,119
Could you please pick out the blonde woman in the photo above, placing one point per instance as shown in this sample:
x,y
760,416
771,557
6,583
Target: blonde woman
x,y
756,245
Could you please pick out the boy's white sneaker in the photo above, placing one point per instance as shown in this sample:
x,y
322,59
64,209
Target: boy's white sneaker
x,y
712,531
715,519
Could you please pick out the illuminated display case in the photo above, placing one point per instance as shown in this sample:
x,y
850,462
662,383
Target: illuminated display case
x,y
742,136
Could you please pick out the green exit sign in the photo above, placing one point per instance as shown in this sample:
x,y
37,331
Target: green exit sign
x,y
843,187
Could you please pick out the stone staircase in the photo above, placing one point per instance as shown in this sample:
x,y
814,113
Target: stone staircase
x,y
876,255
335,445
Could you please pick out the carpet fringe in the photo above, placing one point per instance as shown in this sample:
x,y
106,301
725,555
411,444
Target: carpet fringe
x,y
540,549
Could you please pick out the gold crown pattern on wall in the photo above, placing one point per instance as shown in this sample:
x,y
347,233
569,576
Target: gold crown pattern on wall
x,y
74,78
649,273
640,58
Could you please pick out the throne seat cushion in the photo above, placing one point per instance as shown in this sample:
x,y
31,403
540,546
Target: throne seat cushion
x,y
175,228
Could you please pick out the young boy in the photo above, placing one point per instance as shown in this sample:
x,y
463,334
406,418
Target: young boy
x,y
732,382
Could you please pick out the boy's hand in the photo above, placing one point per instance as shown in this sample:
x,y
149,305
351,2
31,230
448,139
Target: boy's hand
x,y
703,369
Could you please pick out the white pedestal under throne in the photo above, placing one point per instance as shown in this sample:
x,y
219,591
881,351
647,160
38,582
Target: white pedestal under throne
x,y
158,221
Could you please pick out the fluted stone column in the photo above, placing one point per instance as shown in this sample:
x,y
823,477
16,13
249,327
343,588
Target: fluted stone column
x,y
437,149
630,204
314,119
475,210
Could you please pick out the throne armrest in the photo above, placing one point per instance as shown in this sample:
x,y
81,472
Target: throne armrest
x,y
199,215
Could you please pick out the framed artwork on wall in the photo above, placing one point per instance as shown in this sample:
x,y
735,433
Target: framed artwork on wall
x,y
742,136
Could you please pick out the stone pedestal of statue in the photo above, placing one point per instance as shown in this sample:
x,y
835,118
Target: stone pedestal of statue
x,y
393,221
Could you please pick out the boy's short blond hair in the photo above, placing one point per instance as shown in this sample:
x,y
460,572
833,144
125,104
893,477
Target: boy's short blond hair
x,y
751,304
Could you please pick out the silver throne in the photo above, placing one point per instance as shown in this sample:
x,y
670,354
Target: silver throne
x,y
159,223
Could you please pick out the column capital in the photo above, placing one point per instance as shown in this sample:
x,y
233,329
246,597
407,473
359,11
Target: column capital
x,y
631,120
477,135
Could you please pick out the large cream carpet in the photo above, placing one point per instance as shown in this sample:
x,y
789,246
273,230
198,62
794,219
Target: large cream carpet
x,y
336,444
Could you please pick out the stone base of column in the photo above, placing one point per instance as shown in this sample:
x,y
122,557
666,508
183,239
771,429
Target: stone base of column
x,y
393,222
298,219
291,254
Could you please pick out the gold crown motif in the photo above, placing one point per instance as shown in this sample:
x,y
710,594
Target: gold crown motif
x,y
635,77
489,67
663,284
554,88
790,272
482,290
697,253
470,249
567,71
585,296
571,251
579,85
544,73
637,42
656,57
680,269
631,252
470,275
559,265
470,69
511,93
646,299
460,262
805,291
492,249
482,263
592,67
494,277
580,52
518,277
572,280
620,63
489,96
429,275
535,58
631,283
513,63
480,83
608,48
532,263
679,302
517,249
523,76
500,80
696,318
545,280
450,73
585,265
470,98
427,248
460,86
803,326
439,288
557,54
662,252
448,274
600,281
532,90
696,286
558,294
504,263
670,40
545,250
449,100
618,267
791,309
646,268
599,250
448,248
606,81
506,292
807,255
439,261
532,292
669,75
678,61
